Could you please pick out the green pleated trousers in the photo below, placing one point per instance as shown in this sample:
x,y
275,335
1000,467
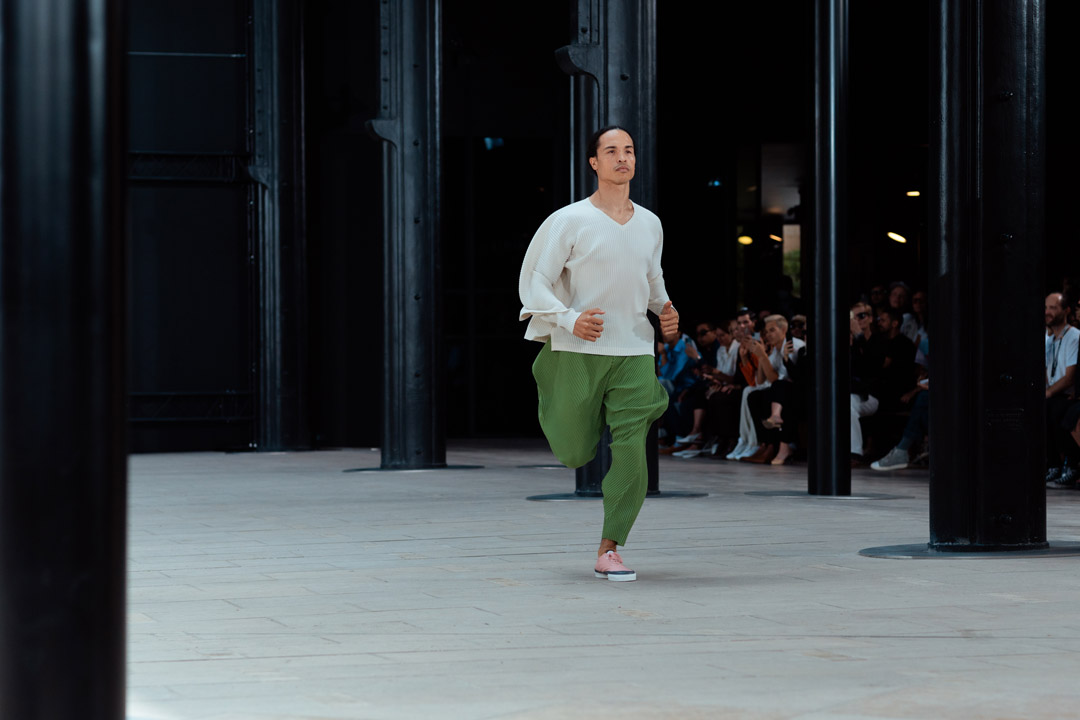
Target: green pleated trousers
x,y
581,394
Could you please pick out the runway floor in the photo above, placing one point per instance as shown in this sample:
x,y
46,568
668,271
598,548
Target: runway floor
x,y
279,587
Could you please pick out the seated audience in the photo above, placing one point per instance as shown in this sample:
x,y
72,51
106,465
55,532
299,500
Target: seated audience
x,y
779,408
768,357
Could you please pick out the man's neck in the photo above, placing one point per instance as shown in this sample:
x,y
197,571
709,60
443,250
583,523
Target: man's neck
x,y
612,198
1058,330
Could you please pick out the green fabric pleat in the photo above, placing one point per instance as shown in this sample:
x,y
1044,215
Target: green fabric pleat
x,y
581,394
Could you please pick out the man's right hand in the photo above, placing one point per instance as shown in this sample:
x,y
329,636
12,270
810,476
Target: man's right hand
x,y
589,325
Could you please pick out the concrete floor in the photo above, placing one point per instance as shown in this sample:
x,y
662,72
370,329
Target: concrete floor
x,y
278,586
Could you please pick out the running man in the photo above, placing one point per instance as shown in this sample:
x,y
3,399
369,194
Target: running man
x,y
589,275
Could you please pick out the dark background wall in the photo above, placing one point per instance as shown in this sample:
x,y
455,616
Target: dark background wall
x,y
192,287
733,79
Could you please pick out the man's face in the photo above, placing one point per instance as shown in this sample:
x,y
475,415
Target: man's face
x,y
705,335
884,322
877,294
1055,311
918,302
798,328
773,334
723,336
744,326
615,161
898,298
862,317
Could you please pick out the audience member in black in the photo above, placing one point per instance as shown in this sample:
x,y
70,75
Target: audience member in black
x,y
867,360
897,362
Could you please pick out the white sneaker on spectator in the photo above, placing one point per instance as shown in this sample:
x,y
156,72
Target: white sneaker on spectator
x,y
739,447
895,459
690,453
687,439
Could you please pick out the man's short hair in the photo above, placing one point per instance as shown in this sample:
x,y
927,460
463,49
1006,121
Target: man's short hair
x,y
893,313
594,141
743,311
779,320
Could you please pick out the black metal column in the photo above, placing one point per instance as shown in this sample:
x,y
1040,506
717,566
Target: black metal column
x,y
612,62
829,463
988,411
414,428
281,243
63,454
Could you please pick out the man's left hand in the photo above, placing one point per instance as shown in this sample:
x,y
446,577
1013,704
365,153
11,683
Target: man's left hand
x,y
669,322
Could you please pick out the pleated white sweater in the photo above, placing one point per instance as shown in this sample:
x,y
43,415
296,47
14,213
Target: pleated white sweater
x,y
581,259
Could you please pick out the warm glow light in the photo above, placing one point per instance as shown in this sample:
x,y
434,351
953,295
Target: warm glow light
x,y
897,238
745,240
913,193
777,238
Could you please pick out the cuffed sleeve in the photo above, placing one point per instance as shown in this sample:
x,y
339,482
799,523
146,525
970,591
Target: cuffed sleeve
x,y
541,272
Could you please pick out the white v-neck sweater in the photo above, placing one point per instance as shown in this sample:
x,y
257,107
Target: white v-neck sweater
x,y
582,259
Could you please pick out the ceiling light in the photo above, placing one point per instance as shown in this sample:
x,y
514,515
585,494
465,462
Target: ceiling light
x,y
897,237
745,240
913,193
777,238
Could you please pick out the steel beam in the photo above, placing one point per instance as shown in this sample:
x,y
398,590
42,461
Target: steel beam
x,y
829,471
278,205
987,418
408,124
63,449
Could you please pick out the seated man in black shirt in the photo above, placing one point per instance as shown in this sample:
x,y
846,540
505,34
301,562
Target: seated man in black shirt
x,y
898,364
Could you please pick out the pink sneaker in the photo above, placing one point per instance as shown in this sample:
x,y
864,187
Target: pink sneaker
x,y
609,565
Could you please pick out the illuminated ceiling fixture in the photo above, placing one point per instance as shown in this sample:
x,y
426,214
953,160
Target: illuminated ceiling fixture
x,y
897,237
913,193
745,240
777,238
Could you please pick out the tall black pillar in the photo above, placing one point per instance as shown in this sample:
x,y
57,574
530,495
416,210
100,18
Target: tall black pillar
x,y
613,65
987,411
414,427
63,454
829,463
281,241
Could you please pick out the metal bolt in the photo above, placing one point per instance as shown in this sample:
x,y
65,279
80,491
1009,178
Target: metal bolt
x,y
624,76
